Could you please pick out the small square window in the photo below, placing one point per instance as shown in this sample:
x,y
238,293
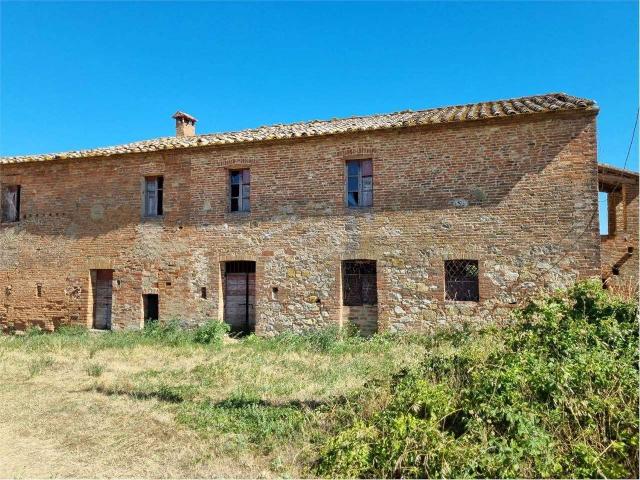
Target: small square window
x,y
461,280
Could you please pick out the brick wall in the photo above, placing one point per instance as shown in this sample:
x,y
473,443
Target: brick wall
x,y
363,317
518,195
623,228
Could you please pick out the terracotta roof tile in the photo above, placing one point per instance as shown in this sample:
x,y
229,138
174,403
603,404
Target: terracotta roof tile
x,y
458,113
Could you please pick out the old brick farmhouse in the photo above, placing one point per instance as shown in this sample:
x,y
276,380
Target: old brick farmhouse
x,y
408,220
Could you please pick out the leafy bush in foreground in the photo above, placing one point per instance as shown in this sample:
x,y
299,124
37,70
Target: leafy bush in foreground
x,y
173,333
211,333
556,396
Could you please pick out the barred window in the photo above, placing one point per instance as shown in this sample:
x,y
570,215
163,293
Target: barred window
x,y
10,202
153,196
240,190
359,283
461,280
359,183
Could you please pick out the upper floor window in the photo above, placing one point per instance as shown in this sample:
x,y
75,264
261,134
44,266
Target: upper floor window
x,y
240,190
153,198
10,203
461,280
359,183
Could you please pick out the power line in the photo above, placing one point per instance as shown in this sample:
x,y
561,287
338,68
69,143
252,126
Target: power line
x,y
633,135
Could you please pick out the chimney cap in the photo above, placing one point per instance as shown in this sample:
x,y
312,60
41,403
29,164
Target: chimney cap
x,y
184,116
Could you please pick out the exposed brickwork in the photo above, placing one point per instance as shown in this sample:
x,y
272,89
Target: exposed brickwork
x,y
364,318
620,247
517,194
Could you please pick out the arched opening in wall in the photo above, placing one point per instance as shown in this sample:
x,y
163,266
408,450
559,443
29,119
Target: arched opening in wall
x,y
239,287
360,295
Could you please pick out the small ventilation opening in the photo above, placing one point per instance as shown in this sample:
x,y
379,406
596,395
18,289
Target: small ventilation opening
x,y
203,292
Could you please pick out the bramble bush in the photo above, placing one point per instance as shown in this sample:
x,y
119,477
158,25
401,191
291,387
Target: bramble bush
x,y
555,394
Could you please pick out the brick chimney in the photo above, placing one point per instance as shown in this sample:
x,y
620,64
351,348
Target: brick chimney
x,y
185,124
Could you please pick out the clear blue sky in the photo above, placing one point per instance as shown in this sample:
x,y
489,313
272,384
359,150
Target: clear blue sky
x,y
79,75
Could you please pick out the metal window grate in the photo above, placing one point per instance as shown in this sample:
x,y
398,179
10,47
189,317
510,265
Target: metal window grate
x,y
359,283
240,266
461,280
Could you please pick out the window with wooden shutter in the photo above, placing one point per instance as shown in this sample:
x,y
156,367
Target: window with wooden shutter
x,y
240,190
153,196
359,188
10,203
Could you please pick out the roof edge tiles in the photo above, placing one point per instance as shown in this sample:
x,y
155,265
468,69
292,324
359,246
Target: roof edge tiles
x,y
535,104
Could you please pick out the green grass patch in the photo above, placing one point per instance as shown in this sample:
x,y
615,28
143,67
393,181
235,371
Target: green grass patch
x,y
247,418
552,394
95,369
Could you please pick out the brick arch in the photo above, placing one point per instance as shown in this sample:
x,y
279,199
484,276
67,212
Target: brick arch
x,y
238,257
468,252
361,254
357,153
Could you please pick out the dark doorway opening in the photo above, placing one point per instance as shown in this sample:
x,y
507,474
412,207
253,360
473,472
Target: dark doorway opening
x,y
360,295
102,289
151,308
239,296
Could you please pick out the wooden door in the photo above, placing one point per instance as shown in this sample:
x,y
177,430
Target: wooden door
x,y
239,302
102,299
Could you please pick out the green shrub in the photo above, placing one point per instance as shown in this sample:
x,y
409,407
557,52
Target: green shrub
x,y
211,333
95,369
33,331
556,395
72,331
39,364
326,340
169,332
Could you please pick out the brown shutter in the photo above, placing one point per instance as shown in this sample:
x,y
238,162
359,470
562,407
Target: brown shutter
x,y
10,204
150,196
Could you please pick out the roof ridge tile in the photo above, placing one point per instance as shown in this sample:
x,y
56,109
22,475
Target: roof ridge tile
x,y
533,104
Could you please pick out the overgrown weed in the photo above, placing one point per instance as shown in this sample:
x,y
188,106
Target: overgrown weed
x,y
553,395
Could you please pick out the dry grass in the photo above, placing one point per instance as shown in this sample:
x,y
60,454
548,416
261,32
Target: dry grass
x,y
109,406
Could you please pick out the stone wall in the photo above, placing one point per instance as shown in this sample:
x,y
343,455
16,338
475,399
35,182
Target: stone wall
x,y
518,195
